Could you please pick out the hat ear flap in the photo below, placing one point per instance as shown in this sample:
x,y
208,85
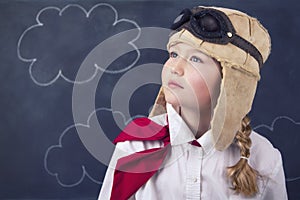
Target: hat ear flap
x,y
159,106
235,100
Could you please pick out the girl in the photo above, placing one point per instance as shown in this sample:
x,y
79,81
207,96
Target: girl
x,y
196,142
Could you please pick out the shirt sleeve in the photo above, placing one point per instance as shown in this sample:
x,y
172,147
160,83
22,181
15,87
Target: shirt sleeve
x,y
122,149
106,185
108,179
276,187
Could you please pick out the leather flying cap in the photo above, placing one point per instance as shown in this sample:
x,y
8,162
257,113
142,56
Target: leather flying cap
x,y
241,45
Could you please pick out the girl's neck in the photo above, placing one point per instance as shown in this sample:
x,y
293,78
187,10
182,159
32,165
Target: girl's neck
x,y
197,121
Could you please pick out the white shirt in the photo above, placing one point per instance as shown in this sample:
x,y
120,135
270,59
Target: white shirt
x,y
192,172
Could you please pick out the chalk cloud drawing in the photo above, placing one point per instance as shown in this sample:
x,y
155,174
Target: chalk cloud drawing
x,y
64,30
60,157
289,147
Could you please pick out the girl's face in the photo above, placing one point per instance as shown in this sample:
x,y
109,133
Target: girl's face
x,y
190,78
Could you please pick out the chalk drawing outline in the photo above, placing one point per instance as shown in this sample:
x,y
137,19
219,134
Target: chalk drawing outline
x,y
87,13
271,128
59,145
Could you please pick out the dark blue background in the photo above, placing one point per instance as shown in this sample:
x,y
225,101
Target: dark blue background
x,y
33,117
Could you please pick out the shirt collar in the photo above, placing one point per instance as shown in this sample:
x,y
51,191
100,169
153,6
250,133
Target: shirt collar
x,y
180,133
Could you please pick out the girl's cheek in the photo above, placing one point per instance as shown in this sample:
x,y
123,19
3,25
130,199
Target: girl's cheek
x,y
168,62
167,66
164,74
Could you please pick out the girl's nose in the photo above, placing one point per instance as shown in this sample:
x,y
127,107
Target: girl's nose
x,y
178,66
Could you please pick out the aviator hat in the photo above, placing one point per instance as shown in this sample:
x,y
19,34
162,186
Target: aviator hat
x,y
241,45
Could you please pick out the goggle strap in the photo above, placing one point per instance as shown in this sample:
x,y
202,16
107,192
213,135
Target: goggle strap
x,y
248,48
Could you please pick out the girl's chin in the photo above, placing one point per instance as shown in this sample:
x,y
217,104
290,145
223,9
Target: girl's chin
x,y
173,103
171,98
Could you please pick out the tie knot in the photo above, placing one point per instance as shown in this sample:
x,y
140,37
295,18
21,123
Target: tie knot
x,y
196,143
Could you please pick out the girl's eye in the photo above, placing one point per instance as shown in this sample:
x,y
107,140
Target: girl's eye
x,y
173,54
196,59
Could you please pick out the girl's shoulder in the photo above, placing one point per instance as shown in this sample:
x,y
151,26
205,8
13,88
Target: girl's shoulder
x,y
263,155
259,141
261,145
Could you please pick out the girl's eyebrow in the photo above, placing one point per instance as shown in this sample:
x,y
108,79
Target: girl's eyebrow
x,y
196,51
199,53
174,45
192,50
202,56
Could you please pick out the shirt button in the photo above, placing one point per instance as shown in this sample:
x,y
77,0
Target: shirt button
x,y
195,180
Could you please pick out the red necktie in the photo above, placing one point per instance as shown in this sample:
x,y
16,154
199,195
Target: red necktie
x,y
133,171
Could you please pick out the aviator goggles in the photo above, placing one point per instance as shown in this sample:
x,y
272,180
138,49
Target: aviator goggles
x,y
214,26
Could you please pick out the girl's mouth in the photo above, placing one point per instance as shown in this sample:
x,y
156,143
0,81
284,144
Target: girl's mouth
x,y
174,84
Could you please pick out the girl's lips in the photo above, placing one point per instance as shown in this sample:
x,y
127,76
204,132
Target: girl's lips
x,y
173,84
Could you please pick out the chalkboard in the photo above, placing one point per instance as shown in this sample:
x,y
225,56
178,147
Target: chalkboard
x,y
57,101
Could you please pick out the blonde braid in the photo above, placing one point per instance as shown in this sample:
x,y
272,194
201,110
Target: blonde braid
x,y
244,178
